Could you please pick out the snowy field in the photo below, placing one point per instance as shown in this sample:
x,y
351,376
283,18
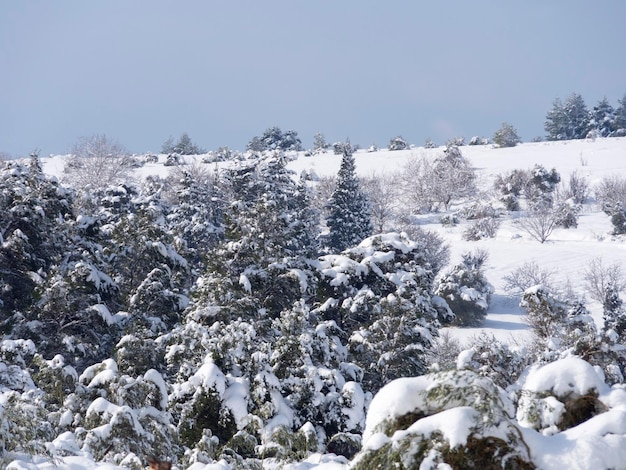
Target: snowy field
x,y
598,443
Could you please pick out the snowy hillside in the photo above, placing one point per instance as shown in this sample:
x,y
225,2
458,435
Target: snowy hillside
x,y
568,251
198,321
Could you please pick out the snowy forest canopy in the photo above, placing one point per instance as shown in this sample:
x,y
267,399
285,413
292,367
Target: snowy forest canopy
x,y
248,318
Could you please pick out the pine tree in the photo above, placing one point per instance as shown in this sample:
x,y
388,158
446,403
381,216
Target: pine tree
x,y
620,117
569,120
506,136
349,220
603,119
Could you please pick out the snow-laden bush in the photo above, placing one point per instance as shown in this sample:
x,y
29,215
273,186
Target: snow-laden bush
x,y
466,290
443,419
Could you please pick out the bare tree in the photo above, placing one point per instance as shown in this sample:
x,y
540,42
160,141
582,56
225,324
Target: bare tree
x,y
526,276
539,223
414,184
382,192
96,162
598,278
427,184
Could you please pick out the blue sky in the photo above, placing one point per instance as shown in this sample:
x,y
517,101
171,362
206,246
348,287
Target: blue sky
x,y
224,71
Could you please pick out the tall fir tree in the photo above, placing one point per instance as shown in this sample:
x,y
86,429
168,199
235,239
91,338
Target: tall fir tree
x,y
620,117
568,120
603,118
349,221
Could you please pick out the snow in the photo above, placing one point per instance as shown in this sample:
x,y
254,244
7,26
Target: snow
x,y
157,379
564,377
456,425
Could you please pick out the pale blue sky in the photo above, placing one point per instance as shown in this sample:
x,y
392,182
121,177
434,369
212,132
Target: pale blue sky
x,y
224,71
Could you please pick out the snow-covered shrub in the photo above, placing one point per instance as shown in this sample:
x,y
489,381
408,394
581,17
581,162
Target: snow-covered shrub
x,y
541,185
566,214
506,136
173,159
429,144
561,395
482,228
545,313
398,143
466,290
340,147
489,357
478,210
443,420
449,220
577,189
444,352
456,142
436,251
617,213
478,141
510,186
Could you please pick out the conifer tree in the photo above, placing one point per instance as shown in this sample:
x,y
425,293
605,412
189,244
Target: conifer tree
x,y
349,221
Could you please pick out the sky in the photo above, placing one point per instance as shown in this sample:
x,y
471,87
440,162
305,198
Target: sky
x,y
224,71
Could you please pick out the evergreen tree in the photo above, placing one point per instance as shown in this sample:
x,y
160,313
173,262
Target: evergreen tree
x,y
569,120
603,119
620,117
349,219
506,136
614,314
184,146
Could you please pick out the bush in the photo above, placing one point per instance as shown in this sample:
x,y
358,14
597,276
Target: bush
x,y
398,143
506,136
597,278
566,215
610,191
478,141
526,276
466,289
578,189
539,223
482,228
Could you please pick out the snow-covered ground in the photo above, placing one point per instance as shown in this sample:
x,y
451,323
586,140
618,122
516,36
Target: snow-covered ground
x,y
567,253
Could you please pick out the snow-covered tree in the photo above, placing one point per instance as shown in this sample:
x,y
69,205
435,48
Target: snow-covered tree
x,y
568,120
275,139
602,121
349,219
506,136
620,117
398,143
319,143
184,146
